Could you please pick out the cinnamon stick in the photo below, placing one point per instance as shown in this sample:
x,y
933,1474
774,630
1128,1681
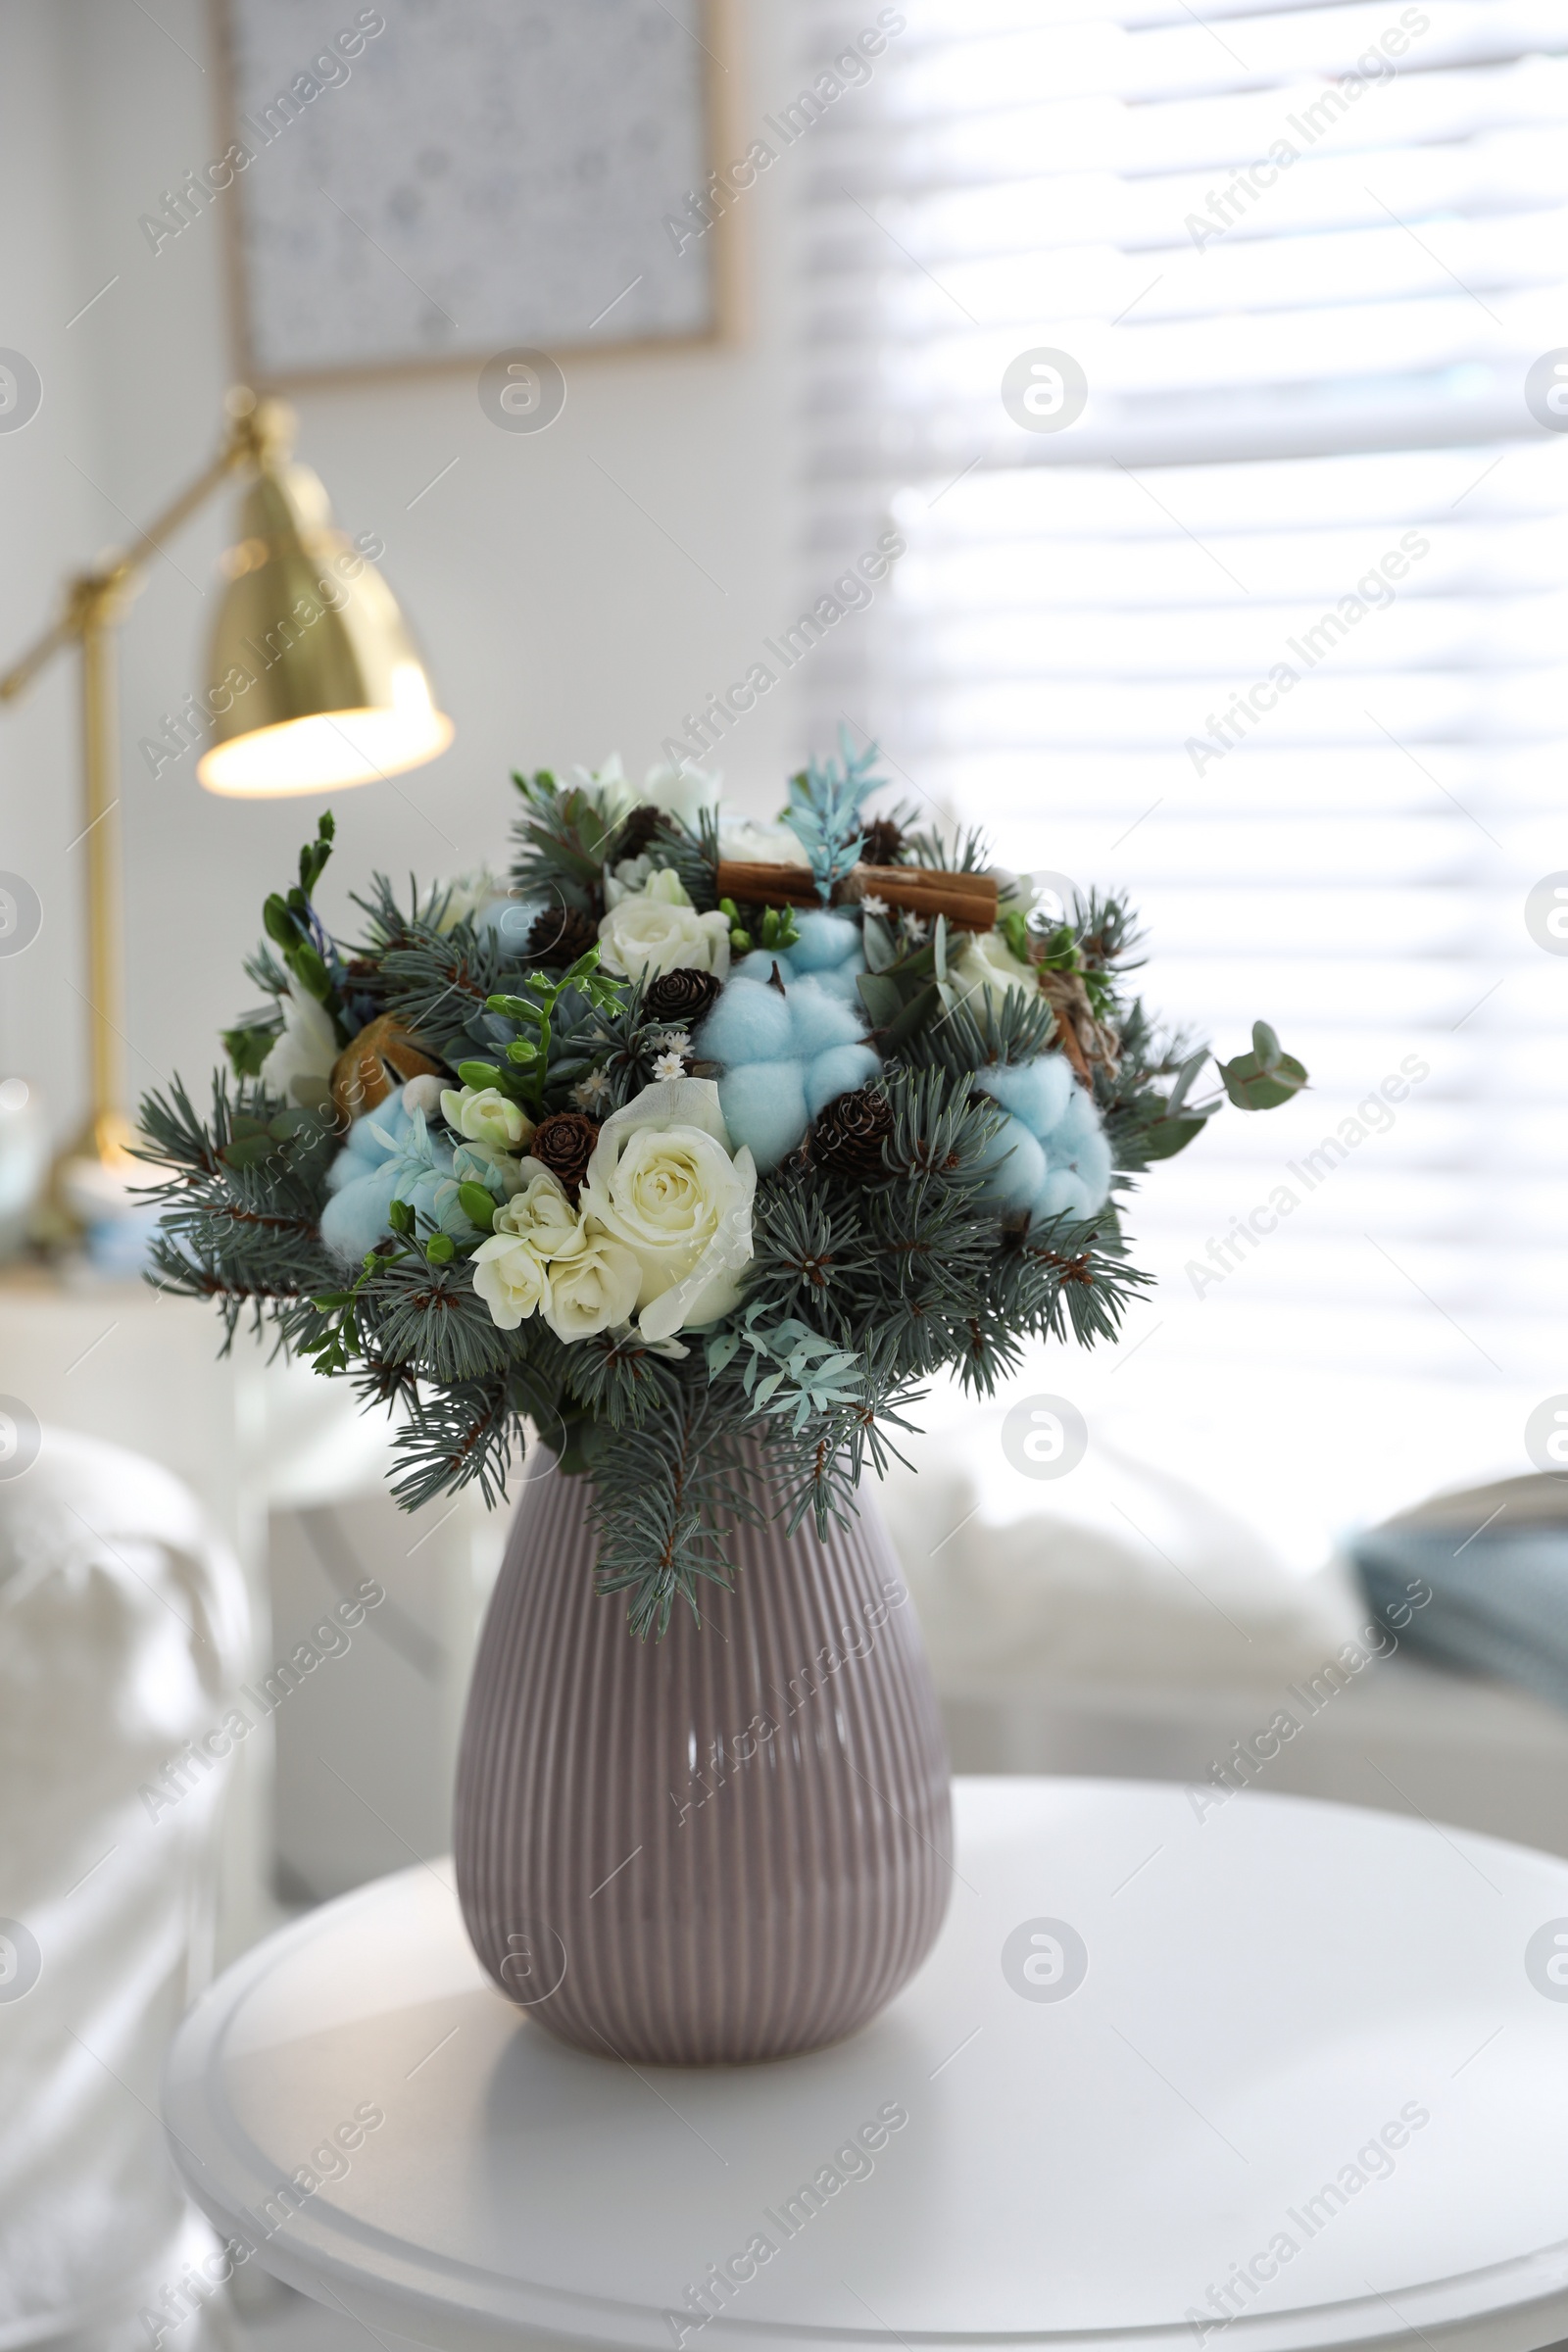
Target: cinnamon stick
x,y
968,900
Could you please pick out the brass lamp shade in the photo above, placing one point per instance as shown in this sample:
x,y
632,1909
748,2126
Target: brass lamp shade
x,y
314,681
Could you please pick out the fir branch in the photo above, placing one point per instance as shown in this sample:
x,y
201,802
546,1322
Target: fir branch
x,y
457,1436
562,838
666,1494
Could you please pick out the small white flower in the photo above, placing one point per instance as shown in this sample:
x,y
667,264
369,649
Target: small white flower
x,y
669,1065
873,907
915,927
590,1090
675,1041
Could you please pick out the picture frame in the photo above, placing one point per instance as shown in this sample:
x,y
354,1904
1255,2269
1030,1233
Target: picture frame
x,y
489,188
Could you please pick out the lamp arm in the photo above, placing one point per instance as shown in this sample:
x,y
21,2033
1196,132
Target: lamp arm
x,y
256,431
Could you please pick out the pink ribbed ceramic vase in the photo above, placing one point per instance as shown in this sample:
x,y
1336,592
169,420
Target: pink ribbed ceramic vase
x,y
730,1844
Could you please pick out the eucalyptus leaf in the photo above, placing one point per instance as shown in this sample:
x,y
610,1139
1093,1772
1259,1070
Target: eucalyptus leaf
x,y
1252,1085
1169,1136
878,941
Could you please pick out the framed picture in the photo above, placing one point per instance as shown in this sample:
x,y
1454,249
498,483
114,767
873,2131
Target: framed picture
x,y
430,182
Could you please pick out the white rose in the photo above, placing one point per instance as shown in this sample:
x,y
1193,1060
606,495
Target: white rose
x,y
986,963
663,1181
299,1063
744,843
660,931
687,794
594,1288
485,1115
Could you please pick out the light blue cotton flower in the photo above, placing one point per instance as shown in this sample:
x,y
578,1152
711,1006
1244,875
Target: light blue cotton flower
x,y
1078,1158
828,947
390,1156
1049,1155
786,1052
1014,1167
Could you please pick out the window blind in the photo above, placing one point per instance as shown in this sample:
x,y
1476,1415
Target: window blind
x,y
1275,631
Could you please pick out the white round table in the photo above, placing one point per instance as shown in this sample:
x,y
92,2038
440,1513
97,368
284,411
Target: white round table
x,y
1262,2073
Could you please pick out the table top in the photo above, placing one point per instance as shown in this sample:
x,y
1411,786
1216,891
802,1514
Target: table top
x,y
1263,2071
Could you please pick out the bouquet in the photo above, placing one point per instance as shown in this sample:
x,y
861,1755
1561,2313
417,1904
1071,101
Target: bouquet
x,y
695,1146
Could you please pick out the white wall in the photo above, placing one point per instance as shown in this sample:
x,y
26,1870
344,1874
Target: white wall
x,y
561,616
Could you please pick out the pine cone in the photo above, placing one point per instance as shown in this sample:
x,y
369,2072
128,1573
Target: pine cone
x,y
883,843
563,1144
680,997
850,1133
560,935
638,831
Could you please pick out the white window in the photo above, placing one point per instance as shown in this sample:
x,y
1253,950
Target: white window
x,y
1274,632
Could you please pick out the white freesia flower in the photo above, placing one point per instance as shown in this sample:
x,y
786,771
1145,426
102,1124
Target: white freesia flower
x,y
485,1115
298,1065
663,1182
594,1288
747,843
687,794
660,931
540,1213
534,1232
512,1279
985,963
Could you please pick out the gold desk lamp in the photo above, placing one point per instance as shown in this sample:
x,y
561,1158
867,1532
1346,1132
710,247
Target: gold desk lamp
x,y
314,685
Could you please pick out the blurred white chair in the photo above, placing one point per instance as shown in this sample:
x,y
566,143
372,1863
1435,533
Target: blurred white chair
x,y
124,1634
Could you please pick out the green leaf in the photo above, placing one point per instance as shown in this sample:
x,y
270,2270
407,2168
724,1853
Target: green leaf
x,y
440,1249
914,1017
308,970
1169,1136
1265,1045
477,1205
882,997
248,1150
878,941
400,1216
1253,1084
1014,928
248,1049
277,923
1185,1077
